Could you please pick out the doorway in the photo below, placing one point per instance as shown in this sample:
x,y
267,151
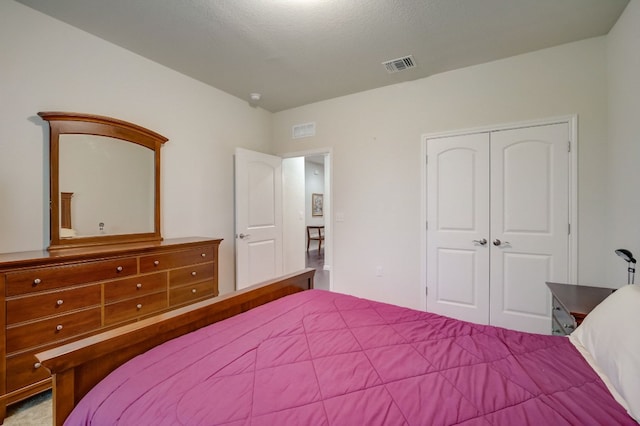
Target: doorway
x,y
271,196
309,217
315,235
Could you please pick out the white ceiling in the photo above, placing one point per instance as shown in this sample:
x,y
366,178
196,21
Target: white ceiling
x,y
294,52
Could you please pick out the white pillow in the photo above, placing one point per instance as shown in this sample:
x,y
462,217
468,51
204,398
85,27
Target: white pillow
x,y
610,335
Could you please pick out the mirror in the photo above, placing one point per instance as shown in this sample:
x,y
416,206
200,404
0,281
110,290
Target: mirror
x,y
105,181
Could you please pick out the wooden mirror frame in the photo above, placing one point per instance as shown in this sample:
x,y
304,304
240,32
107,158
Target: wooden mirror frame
x,y
61,123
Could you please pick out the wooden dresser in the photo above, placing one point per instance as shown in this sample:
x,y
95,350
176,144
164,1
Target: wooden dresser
x,y
49,298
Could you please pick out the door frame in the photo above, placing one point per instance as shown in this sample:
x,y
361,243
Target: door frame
x,y
572,146
327,202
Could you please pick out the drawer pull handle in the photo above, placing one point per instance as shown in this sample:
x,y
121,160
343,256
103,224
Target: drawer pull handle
x,y
59,302
37,365
156,262
119,269
193,274
193,290
139,306
138,285
37,281
59,327
204,255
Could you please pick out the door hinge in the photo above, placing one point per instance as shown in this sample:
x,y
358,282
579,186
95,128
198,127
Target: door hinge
x,y
568,146
426,291
426,159
426,225
569,229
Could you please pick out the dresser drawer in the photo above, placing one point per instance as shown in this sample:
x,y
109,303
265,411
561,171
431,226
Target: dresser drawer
x,y
192,274
49,278
37,306
563,321
176,259
191,293
57,328
134,308
134,287
23,371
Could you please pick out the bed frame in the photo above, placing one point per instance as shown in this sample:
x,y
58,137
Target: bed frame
x,y
78,366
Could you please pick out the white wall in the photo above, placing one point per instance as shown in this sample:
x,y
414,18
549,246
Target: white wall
x,y
623,201
375,137
50,66
293,214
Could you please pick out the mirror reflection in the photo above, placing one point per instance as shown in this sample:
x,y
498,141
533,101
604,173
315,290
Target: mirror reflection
x,y
106,186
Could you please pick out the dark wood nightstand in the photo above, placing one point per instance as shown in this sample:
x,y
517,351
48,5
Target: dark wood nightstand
x,y
572,303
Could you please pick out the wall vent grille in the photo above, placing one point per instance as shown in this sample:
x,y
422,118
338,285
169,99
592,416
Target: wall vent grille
x,y
400,64
303,130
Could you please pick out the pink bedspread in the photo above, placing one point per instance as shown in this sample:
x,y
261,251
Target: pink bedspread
x,y
319,358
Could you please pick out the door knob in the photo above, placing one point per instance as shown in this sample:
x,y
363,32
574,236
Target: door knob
x,y
243,236
497,242
482,242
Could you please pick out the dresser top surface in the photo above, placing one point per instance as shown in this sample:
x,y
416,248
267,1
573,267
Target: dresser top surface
x,y
25,258
579,298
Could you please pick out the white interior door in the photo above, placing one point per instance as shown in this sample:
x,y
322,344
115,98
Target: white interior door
x,y
458,227
258,193
529,223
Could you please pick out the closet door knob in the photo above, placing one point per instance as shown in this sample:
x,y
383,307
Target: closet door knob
x,y
482,242
497,242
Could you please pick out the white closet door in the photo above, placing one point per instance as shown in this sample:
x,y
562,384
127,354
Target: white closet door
x,y
529,223
458,215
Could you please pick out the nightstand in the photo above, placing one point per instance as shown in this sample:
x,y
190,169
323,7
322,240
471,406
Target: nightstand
x,y
572,303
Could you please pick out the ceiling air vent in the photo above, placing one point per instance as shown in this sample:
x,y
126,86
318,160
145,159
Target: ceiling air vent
x,y
399,64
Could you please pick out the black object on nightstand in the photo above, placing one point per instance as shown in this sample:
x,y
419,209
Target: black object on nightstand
x,y
572,303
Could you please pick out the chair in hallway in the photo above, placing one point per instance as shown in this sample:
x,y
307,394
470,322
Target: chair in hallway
x,y
315,233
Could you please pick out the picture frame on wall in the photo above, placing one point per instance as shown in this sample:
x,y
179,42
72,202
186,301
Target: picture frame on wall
x,y
316,204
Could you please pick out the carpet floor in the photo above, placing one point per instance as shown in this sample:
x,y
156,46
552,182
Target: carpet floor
x,y
34,411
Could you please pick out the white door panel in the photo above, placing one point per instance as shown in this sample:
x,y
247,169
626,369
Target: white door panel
x,y
457,214
530,216
258,179
456,281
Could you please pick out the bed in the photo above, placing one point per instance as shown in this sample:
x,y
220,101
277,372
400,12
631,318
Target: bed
x,y
316,357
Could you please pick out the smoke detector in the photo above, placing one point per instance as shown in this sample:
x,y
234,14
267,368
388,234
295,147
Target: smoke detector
x,y
400,64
